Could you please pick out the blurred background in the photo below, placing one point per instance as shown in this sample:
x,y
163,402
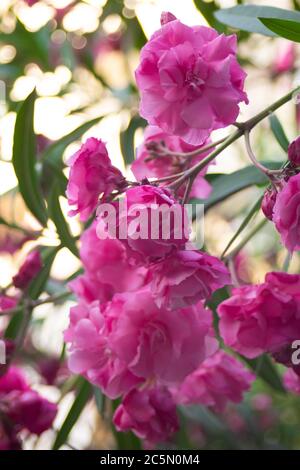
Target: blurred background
x,y
81,56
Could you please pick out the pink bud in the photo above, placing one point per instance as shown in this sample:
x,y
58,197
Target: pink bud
x,y
294,152
268,202
29,269
166,17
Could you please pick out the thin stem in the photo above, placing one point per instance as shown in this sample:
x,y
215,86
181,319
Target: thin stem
x,y
262,168
245,240
36,303
287,261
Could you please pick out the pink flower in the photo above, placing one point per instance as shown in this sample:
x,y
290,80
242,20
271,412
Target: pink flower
x,y
187,277
107,268
190,81
150,223
268,202
150,414
262,318
24,407
91,176
294,152
6,303
166,17
219,379
158,167
129,340
285,58
29,270
286,215
292,381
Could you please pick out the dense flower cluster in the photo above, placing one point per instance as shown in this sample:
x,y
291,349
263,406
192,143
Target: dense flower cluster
x,y
264,317
190,81
21,408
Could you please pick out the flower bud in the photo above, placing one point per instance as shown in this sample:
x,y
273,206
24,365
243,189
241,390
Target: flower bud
x,y
268,202
294,152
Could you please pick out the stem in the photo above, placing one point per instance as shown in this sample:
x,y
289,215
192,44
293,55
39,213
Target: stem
x,y
248,237
36,303
262,168
241,130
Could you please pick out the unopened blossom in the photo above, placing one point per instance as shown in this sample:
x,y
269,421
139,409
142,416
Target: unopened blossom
x,y
107,269
292,381
130,340
150,222
29,270
147,165
286,214
220,379
186,277
294,152
264,317
285,58
268,202
149,413
190,81
92,176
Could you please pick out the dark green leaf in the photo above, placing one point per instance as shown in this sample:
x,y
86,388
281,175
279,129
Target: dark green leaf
x,y
227,185
285,28
127,139
99,399
266,370
59,220
253,210
246,17
278,132
82,397
24,160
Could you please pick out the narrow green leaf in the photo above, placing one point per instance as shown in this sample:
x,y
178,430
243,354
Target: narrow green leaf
x,y
227,185
24,160
266,370
253,210
59,220
247,17
278,131
99,399
83,395
287,29
127,139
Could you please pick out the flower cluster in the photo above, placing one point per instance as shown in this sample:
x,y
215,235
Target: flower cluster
x,y
21,408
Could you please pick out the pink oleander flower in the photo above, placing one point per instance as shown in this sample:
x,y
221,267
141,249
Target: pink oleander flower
x,y
91,176
24,407
285,58
150,414
190,81
218,380
294,152
186,277
106,268
286,213
264,317
129,340
166,165
292,381
6,303
29,270
268,202
150,223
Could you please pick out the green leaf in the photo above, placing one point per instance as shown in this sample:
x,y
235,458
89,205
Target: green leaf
x,y
99,399
266,370
287,29
82,397
59,220
278,132
34,290
24,160
227,185
247,17
253,210
127,139
208,10
52,156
